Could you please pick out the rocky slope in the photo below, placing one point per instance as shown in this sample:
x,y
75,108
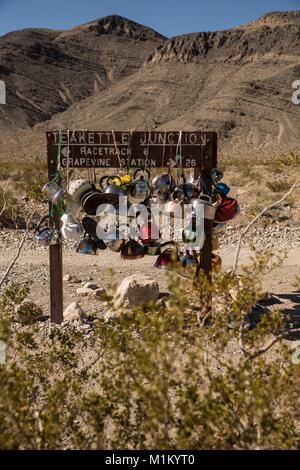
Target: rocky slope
x,y
46,71
237,82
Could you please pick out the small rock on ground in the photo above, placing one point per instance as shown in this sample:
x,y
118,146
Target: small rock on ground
x,y
73,312
136,290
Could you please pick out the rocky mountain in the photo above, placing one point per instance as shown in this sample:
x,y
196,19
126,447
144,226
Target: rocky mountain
x,y
237,82
46,71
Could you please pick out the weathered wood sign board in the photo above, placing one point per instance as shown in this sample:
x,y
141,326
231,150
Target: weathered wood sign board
x,y
109,149
154,149
174,149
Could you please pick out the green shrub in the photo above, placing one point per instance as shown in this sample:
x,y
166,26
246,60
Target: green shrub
x,y
175,376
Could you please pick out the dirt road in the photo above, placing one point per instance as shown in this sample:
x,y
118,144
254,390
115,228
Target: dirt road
x,y
32,265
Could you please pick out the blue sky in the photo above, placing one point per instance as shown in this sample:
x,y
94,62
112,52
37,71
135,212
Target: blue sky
x,y
170,17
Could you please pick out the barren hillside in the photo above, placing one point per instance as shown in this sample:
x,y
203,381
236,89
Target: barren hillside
x,y
237,82
46,71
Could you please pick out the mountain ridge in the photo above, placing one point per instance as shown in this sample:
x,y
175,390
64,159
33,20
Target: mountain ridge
x,y
237,82
48,70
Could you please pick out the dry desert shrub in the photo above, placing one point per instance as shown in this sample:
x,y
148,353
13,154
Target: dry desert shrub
x,y
175,375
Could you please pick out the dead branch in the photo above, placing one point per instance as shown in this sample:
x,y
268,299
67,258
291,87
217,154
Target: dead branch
x,y
4,197
19,249
267,208
271,344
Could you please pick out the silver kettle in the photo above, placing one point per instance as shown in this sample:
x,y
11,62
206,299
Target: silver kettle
x,y
111,190
139,190
45,235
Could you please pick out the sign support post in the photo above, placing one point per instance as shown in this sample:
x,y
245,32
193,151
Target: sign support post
x,y
55,257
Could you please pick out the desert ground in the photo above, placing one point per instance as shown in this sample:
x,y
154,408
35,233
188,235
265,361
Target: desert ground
x,y
33,265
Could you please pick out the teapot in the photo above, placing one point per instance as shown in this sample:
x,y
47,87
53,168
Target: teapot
x,y
191,236
70,228
139,189
91,200
132,250
112,188
77,188
45,235
189,266
53,192
204,201
163,185
169,259
114,240
87,246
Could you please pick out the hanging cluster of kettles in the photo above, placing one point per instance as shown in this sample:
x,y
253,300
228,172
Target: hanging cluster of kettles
x,y
164,190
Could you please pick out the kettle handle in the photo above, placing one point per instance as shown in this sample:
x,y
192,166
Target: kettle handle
x,y
143,170
170,243
41,222
106,178
205,197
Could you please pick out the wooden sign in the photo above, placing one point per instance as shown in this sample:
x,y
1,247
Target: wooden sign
x,y
159,149
89,149
153,149
109,149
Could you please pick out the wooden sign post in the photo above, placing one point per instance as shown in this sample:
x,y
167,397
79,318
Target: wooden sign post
x,y
196,151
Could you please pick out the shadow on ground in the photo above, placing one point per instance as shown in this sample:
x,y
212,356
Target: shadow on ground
x,y
289,305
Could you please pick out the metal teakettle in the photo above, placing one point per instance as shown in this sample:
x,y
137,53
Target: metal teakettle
x,y
112,188
87,246
114,240
139,189
132,250
163,185
204,202
193,235
45,235
189,266
53,192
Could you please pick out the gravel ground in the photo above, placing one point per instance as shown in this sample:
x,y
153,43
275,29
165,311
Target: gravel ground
x,y
269,233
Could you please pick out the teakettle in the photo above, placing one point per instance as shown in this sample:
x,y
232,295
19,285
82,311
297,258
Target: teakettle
x,y
163,185
53,191
139,189
189,266
112,188
45,235
114,240
173,208
222,189
152,248
91,200
168,260
149,232
87,246
132,250
77,188
209,207
192,236
227,210
90,229
185,192
70,228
